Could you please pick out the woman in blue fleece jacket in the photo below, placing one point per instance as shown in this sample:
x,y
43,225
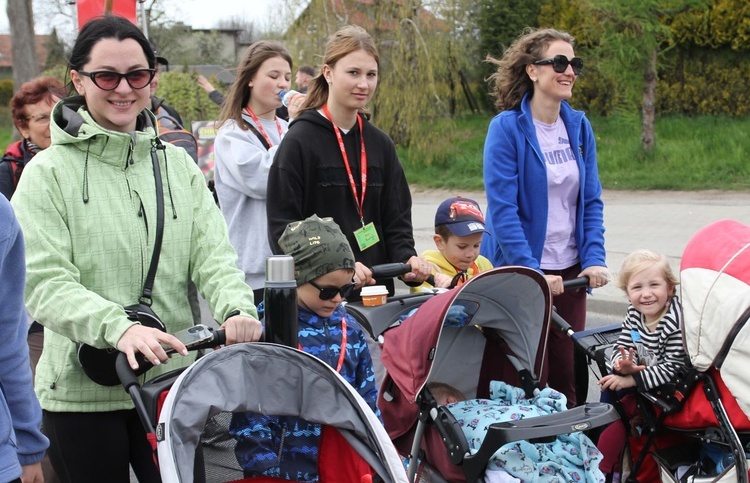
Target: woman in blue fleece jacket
x,y
544,207
22,444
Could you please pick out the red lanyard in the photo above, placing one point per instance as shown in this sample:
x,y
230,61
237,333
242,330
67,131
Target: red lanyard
x,y
260,126
363,163
342,349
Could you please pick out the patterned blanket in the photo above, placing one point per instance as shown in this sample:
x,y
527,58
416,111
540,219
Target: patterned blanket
x,y
570,458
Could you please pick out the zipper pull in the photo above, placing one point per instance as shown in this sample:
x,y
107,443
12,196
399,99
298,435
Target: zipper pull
x,y
131,147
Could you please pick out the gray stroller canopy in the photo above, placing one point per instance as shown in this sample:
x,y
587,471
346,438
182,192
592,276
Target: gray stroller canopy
x,y
267,379
444,339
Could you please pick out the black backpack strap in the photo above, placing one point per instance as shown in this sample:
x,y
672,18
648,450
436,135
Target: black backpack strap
x,y
15,168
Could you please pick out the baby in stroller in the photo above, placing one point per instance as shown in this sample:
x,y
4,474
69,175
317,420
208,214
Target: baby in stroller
x,y
649,352
571,457
492,328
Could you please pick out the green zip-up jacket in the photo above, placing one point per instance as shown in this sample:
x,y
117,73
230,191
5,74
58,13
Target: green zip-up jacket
x,y
87,207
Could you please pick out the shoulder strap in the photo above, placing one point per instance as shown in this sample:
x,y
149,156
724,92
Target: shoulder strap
x,y
258,135
15,167
151,276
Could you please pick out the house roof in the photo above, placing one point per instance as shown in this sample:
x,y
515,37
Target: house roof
x,y
6,51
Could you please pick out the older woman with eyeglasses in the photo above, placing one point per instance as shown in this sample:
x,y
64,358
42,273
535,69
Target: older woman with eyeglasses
x,y
30,106
544,207
94,208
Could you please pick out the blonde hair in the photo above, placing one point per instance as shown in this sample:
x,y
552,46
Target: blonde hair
x,y
510,82
640,260
348,39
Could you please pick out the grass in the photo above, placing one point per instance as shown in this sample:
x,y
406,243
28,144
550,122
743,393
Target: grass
x,y
6,127
691,153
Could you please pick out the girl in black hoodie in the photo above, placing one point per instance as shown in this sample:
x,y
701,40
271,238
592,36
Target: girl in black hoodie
x,y
334,163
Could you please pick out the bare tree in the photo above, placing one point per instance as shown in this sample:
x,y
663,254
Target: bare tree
x,y
21,20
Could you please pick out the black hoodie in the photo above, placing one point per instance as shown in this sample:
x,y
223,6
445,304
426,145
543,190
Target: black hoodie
x,y
308,176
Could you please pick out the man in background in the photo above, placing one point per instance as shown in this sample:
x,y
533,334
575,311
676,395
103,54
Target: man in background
x,y
304,75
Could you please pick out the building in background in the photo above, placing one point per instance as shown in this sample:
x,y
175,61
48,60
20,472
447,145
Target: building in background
x,y
6,54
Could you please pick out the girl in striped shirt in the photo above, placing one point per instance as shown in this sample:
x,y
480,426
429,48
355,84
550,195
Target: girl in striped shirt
x,y
649,351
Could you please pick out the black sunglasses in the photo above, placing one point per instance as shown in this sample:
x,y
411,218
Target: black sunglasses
x,y
327,293
560,63
107,80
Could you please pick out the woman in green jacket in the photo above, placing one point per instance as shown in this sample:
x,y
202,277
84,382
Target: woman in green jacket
x,y
88,209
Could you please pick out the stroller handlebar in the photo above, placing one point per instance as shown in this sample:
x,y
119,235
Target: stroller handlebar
x,y
573,283
390,270
580,282
393,270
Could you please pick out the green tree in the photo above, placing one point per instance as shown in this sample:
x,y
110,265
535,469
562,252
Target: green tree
x,y
457,68
409,41
633,37
499,23
56,52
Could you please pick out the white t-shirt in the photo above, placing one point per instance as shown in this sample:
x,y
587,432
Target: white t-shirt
x,y
563,182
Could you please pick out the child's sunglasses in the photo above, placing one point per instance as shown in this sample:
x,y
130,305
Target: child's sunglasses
x,y
327,293
560,63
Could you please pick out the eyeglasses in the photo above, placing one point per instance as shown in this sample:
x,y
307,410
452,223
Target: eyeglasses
x,y
560,63
327,293
107,80
40,118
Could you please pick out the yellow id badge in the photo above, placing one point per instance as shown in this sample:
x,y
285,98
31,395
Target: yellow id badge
x,y
366,236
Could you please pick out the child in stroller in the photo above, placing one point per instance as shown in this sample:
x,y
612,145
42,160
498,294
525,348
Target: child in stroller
x,y
286,446
698,428
649,352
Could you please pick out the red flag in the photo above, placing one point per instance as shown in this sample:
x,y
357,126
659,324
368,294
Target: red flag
x,y
88,9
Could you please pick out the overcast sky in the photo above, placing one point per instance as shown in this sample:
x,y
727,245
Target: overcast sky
x,y
198,13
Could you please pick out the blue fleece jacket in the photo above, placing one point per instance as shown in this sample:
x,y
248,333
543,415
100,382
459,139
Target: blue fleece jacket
x,y
515,179
21,441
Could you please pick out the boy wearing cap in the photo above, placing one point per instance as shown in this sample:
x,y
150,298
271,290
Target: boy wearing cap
x,y
459,225
286,447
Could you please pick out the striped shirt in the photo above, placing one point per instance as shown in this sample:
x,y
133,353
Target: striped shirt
x,y
662,350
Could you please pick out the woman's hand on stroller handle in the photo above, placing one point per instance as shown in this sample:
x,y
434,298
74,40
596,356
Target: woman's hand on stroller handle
x,y
593,276
363,275
240,328
149,343
420,271
126,371
598,276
